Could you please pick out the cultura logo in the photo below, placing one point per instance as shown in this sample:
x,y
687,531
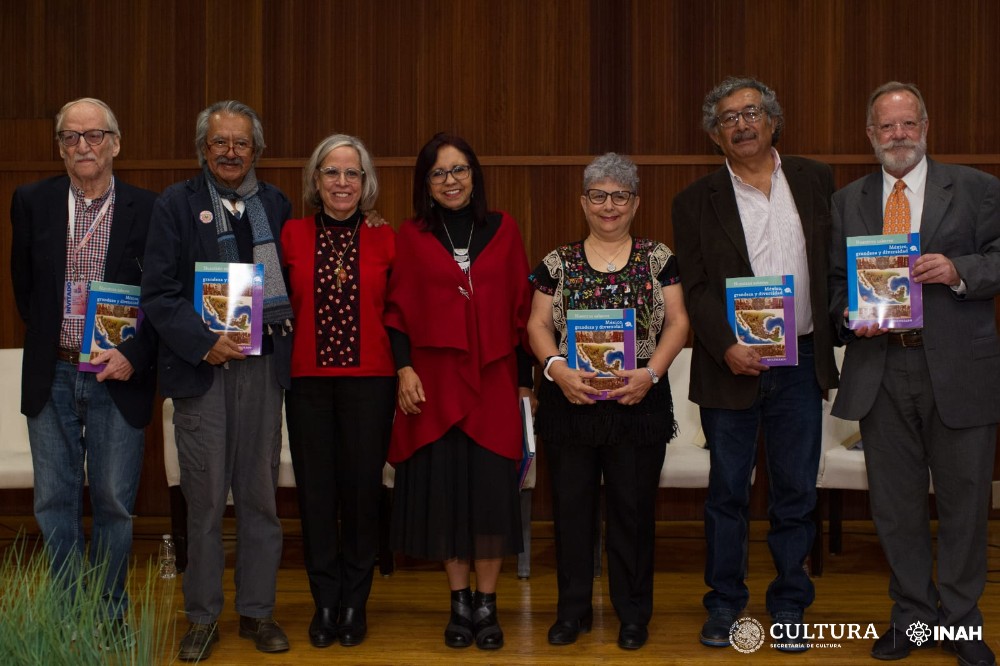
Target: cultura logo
x,y
746,635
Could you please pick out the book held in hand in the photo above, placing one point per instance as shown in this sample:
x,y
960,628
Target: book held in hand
x,y
527,441
762,313
880,286
601,341
230,299
113,316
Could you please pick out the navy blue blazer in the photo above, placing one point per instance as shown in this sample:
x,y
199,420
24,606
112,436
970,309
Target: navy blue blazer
x,y
40,219
177,239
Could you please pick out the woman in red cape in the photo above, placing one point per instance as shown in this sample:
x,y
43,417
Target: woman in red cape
x,y
456,311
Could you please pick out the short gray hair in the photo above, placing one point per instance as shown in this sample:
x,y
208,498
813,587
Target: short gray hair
x,y
109,115
369,191
891,87
768,102
612,166
234,108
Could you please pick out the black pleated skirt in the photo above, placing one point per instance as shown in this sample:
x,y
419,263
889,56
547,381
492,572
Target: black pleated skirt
x,y
456,499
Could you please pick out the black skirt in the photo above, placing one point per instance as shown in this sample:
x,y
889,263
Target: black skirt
x,y
456,499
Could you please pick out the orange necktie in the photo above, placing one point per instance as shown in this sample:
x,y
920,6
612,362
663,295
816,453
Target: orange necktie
x,y
897,211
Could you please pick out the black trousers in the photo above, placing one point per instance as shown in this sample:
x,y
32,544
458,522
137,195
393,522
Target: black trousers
x,y
631,478
338,431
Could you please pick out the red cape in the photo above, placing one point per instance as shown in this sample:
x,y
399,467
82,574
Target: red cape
x,y
462,346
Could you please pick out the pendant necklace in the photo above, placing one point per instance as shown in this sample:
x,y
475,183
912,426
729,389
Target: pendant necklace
x,y
339,273
461,254
611,265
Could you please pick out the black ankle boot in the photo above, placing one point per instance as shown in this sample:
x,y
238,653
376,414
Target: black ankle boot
x,y
489,635
458,633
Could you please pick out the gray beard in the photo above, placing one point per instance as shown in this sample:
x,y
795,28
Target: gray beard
x,y
894,163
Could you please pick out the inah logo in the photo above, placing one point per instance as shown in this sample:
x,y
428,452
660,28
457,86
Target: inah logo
x,y
746,635
918,632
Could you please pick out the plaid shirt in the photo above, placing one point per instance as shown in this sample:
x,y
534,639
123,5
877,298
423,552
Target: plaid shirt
x,y
86,264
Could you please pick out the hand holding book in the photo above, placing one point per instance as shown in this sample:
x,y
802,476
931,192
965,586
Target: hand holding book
x,y
638,383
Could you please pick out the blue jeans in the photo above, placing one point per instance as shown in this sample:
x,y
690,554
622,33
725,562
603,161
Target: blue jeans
x,y
789,409
81,424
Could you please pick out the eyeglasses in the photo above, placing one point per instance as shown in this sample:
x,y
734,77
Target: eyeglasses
x,y
221,146
751,116
908,126
619,198
333,173
94,137
460,172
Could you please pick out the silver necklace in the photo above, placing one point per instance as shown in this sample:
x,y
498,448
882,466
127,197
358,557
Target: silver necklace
x,y
611,265
461,254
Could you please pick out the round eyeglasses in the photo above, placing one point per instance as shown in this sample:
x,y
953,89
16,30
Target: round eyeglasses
x,y
333,173
94,137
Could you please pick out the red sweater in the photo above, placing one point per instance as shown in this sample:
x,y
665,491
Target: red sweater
x,y
462,348
377,251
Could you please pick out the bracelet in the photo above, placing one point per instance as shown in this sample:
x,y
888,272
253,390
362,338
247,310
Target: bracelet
x,y
548,363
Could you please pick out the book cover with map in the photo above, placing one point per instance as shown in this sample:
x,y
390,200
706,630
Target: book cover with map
x,y
230,299
880,288
113,316
601,341
762,313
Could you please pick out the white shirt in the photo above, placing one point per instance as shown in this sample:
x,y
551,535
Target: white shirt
x,y
775,241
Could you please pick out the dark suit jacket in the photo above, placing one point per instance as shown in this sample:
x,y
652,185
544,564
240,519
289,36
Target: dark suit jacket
x,y
177,239
961,220
711,246
40,219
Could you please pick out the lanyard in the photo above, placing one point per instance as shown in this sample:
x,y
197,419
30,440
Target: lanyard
x,y
93,227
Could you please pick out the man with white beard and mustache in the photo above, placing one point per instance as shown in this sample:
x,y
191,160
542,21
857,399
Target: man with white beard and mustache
x,y
761,214
928,400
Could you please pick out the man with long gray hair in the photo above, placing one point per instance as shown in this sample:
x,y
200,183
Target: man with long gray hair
x,y
227,405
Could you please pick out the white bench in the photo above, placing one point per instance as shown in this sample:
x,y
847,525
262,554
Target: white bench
x,y
286,479
15,454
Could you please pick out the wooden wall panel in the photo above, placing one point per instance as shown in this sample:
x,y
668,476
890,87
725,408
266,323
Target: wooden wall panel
x,y
536,88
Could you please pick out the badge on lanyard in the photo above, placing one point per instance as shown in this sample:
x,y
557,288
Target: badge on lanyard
x,y
75,299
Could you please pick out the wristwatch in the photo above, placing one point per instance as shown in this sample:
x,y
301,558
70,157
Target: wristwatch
x,y
653,375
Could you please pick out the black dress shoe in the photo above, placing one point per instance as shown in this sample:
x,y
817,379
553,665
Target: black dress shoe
x,y
894,644
565,632
353,627
198,642
632,636
323,628
265,633
715,631
970,653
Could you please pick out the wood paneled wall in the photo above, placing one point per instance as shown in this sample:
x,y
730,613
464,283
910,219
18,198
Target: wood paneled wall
x,y
537,87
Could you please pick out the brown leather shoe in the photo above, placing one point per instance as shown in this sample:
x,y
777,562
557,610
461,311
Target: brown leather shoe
x,y
198,642
265,633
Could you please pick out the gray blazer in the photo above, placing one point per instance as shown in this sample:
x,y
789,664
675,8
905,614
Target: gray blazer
x,y
961,220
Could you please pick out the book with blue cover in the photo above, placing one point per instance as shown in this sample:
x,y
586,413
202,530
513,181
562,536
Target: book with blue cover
x,y
880,286
601,341
761,311
113,316
229,297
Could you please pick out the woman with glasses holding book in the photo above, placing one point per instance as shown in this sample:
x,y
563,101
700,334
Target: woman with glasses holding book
x,y
340,405
622,434
457,308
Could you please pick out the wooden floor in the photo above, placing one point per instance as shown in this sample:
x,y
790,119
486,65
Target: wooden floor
x,y
408,610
